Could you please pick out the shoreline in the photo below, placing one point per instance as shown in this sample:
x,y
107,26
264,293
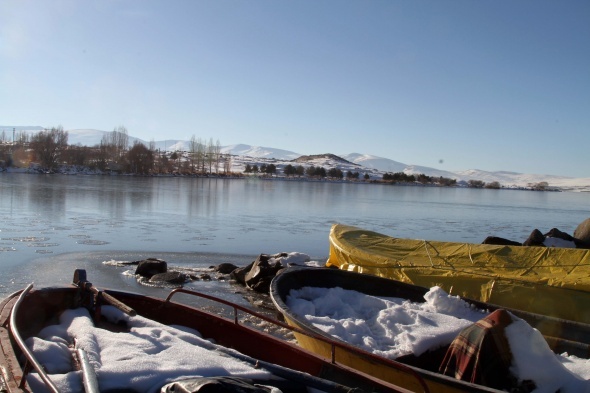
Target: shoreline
x,y
85,171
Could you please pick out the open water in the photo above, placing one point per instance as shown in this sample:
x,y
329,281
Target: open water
x,y
52,224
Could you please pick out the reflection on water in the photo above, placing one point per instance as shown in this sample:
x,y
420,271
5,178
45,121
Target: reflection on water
x,y
46,216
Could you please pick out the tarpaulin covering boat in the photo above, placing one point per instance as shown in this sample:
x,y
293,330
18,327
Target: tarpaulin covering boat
x,y
543,280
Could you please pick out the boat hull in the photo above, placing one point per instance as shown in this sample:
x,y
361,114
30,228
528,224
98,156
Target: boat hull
x,y
390,370
541,280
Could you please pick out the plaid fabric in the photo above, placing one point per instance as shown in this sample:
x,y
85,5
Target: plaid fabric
x,y
480,353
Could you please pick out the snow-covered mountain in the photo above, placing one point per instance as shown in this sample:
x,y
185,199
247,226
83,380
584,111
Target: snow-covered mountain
x,y
86,137
379,163
373,165
260,152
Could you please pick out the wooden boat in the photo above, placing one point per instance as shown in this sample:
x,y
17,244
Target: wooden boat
x,y
26,312
543,280
427,365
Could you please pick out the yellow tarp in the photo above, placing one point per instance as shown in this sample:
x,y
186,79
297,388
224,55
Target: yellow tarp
x,y
548,281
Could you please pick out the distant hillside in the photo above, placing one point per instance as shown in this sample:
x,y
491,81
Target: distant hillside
x,y
379,163
86,137
364,163
21,128
6,132
258,151
326,156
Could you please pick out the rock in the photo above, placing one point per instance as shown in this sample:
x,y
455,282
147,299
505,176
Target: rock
x,y
557,238
556,233
558,242
553,238
582,234
169,277
239,274
500,241
149,267
536,238
262,272
259,274
225,268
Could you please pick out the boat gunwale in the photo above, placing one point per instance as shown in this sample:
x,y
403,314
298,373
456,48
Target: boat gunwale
x,y
31,359
8,361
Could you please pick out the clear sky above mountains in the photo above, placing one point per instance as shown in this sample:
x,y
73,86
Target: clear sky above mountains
x,y
455,85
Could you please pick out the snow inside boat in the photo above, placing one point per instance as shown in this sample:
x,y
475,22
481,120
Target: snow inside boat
x,y
375,325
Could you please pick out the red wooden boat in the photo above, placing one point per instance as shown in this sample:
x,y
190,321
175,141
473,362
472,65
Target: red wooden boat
x,y
24,313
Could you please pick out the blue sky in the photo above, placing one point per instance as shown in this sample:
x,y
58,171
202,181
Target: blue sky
x,y
491,85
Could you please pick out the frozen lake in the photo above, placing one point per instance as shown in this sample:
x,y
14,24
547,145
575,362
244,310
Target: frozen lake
x,y
52,224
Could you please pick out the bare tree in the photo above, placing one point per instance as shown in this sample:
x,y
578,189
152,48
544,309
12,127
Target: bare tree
x,y
121,139
49,146
21,139
140,159
217,155
102,156
116,143
541,186
227,163
193,151
77,155
476,183
210,154
201,153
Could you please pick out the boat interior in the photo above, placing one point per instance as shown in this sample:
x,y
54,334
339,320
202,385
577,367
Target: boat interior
x,y
26,313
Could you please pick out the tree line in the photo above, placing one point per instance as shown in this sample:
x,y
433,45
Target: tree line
x,y
401,177
393,178
49,149
314,172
